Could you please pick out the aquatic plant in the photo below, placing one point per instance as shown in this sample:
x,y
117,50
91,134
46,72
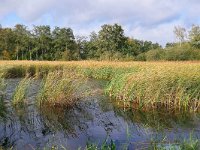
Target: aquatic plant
x,y
21,91
59,89
186,144
2,84
172,88
104,146
170,85
94,69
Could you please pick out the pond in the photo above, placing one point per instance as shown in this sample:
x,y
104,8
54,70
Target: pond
x,y
93,119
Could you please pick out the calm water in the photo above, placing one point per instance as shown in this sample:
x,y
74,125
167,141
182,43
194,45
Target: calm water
x,y
93,119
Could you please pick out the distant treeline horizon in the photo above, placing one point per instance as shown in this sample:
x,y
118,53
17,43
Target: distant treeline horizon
x,y
109,43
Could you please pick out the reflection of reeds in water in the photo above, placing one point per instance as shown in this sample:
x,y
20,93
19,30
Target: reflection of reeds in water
x,y
59,89
2,109
67,120
55,120
157,119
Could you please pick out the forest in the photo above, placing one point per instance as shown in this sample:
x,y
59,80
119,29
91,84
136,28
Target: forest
x,y
109,43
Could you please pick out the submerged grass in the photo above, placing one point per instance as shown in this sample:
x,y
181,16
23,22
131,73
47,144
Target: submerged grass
x,y
186,144
21,91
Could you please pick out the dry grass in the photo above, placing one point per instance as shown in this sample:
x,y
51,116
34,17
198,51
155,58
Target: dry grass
x,y
172,85
21,91
59,89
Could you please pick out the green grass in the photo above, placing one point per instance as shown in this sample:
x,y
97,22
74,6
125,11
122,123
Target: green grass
x,y
59,89
21,91
104,146
187,144
172,88
2,85
146,86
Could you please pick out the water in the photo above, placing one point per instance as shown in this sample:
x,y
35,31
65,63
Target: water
x,y
92,120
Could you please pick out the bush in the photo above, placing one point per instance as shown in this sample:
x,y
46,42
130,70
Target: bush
x,y
156,54
141,57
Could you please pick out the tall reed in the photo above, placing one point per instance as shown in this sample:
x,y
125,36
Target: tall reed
x,y
2,85
172,85
58,89
171,88
21,91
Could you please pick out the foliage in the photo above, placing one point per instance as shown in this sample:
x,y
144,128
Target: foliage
x,y
43,43
110,43
154,55
194,36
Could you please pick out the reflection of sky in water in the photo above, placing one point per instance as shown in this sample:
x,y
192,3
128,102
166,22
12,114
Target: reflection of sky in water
x,y
93,119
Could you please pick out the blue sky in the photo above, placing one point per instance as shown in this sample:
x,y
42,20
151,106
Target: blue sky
x,y
142,19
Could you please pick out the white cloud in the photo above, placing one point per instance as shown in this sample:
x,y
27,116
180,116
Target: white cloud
x,y
144,19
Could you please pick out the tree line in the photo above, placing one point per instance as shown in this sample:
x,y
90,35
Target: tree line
x,y
110,43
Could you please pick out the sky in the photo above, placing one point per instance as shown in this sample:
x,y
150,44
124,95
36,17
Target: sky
x,y
152,20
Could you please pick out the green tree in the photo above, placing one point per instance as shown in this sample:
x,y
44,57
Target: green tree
x,y
194,36
7,40
22,36
111,38
180,34
42,35
63,40
91,47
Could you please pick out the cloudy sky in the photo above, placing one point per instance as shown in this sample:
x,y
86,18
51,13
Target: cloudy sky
x,y
142,19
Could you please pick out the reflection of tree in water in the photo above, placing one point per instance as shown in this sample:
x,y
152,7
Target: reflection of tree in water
x,y
24,121
31,124
6,129
2,109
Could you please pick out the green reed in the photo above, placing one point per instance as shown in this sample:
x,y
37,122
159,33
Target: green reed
x,y
59,89
21,91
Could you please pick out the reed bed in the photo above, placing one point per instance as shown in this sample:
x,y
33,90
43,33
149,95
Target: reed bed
x,y
59,89
145,85
2,85
171,88
21,91
93,69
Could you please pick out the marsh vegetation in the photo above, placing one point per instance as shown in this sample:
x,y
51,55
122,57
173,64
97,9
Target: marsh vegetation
x,y
128,103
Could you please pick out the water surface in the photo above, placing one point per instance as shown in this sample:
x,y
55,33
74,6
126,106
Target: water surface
x,y
93,119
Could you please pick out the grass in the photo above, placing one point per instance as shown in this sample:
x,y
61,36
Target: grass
x,y
186,144
59,89
143,85
104,146
2,85
21,91
171,88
